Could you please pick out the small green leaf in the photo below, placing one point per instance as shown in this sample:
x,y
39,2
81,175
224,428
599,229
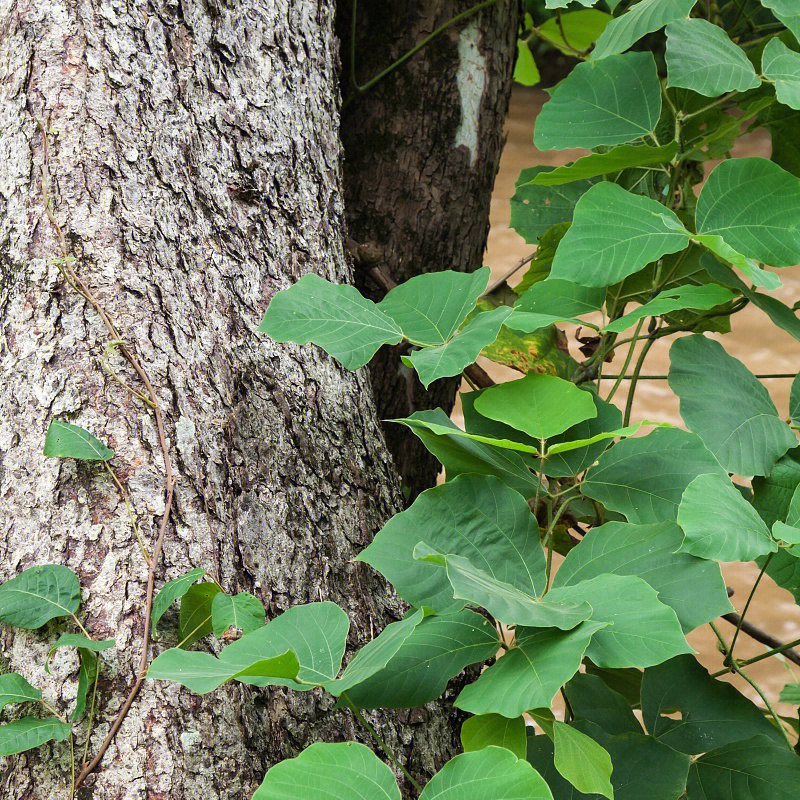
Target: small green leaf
x,y
194,619
80,641
525,70
486,730
789,694
171,591
786,533
539,405
542,260
583,762
15,689
614,234
89,670
575,30
606,102
492,773
64,440
781,66
733,532
39,594
242,611
330,772
335,317
718,246
701,57
29,732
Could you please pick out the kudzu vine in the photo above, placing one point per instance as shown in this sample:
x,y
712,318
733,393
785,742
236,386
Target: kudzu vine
x,y
658,232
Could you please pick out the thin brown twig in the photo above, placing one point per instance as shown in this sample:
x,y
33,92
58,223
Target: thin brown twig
x,y
75,280
760,636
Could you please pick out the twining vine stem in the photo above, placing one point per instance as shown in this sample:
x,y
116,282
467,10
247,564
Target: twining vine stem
x,y
83,290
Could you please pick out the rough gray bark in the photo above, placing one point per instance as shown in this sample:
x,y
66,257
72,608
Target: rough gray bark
x,y
194,156
422,149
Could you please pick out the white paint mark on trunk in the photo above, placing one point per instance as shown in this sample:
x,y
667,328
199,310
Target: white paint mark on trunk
x,y
470,80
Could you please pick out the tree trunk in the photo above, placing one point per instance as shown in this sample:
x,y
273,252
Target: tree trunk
x,y
193,155
422,149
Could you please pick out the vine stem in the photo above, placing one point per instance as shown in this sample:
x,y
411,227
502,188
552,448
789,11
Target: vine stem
x,y
759,691
747,604
651,340
365,723
78,284
775,651
627,363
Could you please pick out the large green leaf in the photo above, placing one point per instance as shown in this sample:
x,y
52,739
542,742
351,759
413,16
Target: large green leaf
x,y
15,689
64,440
330,772
492,773
506,603
641,631
29,732
754,205
643,18
701,57
439,648
727,407
242,611
702,298
583,762
461,350
787,12
623,157
615,233
475,516
553,300
194,617
39,594
335,317
459,454
171,591
782,66
539,405
486,730
712,713
753,769
536,209
606,102
691,586
591,700
733,531
575,30
644,478
794,402
530,673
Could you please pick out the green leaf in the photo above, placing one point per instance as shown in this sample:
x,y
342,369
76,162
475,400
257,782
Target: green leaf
x,y
643,18
29,732
493,773
772,495
535,210
171,591
753,769
87,674
194,619
503,601
375,655
335,317
623,157
553,300
15,689
539,267
474,516
39,594
627,682
330,772
733,532
591,700
80,641
787,12
539,405
691,586
786,533
530,673
702,297
242,611
644,478
438,649
712,713
727,407
64,440
781,66
784,569
540,351
789,694
718,246
701,57
525,70
583,762
461,350
486,730
614,234
608,102
641,631
754,205
458,454
581,29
